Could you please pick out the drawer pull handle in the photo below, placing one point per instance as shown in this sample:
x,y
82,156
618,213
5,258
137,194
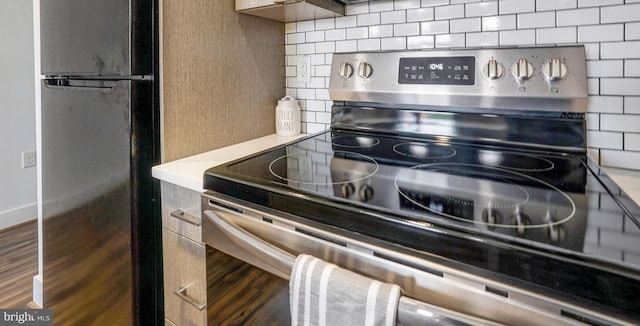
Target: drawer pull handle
x,y
182,293
181,215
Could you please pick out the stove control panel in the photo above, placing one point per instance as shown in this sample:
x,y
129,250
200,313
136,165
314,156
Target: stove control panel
x,y
537,78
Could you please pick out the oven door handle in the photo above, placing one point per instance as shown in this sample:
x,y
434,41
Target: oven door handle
x,y
275,257
410,311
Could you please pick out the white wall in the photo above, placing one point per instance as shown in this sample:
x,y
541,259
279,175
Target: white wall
x,y
17,112
610,30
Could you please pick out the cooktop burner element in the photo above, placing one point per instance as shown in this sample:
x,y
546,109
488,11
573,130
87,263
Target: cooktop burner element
x,y
306,171
515,161
424,151
482,195
354,141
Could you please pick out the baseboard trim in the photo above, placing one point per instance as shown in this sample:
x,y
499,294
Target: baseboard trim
x,y
18,216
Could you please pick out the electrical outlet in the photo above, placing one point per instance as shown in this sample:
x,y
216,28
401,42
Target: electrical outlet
x,y
304,69
28,159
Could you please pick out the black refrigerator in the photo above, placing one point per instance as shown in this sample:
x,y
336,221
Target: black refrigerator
x,y
100,118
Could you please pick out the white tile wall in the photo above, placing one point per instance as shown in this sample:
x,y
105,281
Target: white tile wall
x,y
609,29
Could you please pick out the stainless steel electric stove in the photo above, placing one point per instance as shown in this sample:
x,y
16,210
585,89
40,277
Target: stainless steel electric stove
x,y
475,159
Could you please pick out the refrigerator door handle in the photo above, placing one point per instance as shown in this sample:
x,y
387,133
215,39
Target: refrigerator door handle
x,y
86,85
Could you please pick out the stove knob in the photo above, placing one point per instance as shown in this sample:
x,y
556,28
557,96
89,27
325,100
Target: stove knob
x,y
365,70
522,70
365,193
346,70
554,70
347,189
493,70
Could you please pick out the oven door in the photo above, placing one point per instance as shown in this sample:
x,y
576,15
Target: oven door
x,y
433,294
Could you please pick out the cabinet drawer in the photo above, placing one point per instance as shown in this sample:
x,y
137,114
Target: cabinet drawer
x,y
181,211
185,280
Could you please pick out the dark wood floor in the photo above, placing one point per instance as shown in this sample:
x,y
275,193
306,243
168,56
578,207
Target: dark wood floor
x,y
18,264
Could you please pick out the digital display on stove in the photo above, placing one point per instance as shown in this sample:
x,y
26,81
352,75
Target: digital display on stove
x,y
437,71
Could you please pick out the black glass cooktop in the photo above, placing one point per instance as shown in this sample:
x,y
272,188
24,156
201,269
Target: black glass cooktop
x,y
541,218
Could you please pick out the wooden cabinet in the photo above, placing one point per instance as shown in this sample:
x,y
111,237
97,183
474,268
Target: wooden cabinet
x,y
184,257
291,10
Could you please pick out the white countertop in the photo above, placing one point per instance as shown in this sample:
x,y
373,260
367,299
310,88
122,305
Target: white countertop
x,y
188,172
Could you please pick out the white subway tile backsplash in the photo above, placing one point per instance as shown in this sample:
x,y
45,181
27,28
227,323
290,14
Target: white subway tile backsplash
x,y
305,26
427,3
544,5
516,6
620,123
593,121
620,50
315,106
317,36
290,27
421,14
519,37
346,46
620,159
632,142
593,86
620,86
587,16
435,27
357,8
381,6
393,43
605,68
346,21
604,139
381,31
622,13
465,25
597,3
483,39
450,41
406,29
420,42
357,33
406,4
605,104
499,23
326,47
632,68
449,12
336,35
537,20
327,23
601,33
556,35
306,48
369,19
289,50
393,17
631,105
295,38
481,9
592,51
632,31
372,44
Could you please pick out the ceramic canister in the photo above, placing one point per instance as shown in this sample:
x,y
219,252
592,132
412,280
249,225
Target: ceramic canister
x,y
288,117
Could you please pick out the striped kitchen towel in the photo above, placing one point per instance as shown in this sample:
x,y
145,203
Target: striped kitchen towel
x,y
322,294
